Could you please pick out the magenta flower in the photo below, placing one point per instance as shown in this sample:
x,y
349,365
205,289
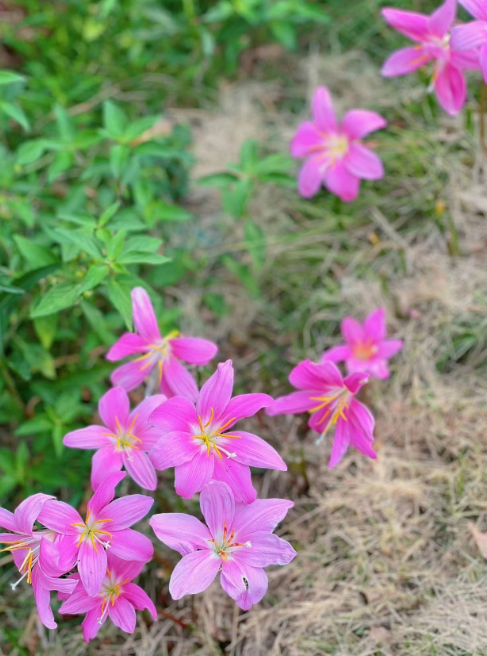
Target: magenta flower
x,y
35,554
161,352
117,599
106,526
123,441
334,152
238,541
197,442
330,399
366,348
432,34
473,36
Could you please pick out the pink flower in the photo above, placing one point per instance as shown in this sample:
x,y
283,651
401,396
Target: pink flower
x,y
106,526
197,444
366,348
473,36
161,352
123,441
117,599
238,541
330,399
35,554
334,152
431,33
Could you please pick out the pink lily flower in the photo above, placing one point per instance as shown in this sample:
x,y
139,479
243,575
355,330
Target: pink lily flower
x,y
330,399
238,542
366,348
117,599
197,443
335,154
161,352
432,34
473,36
123,441
106,526
34,554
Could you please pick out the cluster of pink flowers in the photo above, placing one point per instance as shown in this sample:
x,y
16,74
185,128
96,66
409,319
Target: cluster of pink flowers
x,y
334,153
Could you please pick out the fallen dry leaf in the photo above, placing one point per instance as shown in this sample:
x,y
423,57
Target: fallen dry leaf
x,y
480,539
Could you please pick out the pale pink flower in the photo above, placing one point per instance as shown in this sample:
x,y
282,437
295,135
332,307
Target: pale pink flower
x,y
117,599
106,526
35,554
335,154
473,36
201,443
238,542
366,348
432,35
123,441
163,352
330,399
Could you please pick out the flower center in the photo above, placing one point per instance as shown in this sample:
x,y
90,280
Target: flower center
x,y
125,439
158,353
227,544
110,593
90,532
364,349
336,147
335,404
210,436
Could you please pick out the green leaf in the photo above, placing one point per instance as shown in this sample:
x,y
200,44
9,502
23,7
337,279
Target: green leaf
x,y
114,119
243,273
97,322
115,245
94,276
249,155
119,294
30,151
143,258
119,155
235,201
255,243
58,298
46,328
36,255
143,243
39,424
108,214
161,211
16,113
7,77
61,163
65,125
285,33
219,180
81,239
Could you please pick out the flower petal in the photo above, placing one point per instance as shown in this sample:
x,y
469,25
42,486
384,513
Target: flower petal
x,y
451,89
469,36
243,405
105,462
216,393
114,409
352,330
140,469
127,344
309,375
442,18
194,573
341,442
139,599
178,380
375,327
262,515
237,477
193,350
42,598
140,417
59,517
91,625
131,375
336,354
342,183
122,570
173,450
413,25
131,545
92,567
323,112
126,511
361,428
405,61
183,533
311,176
355,381
218,507
252,450
145,321
390,347
122,614
246,585
7,520
79,602
91,437
306,140
292,404
266,549
358,123
176,414
363,163
483,61
193,475
105,492
28,511
477,8
150,437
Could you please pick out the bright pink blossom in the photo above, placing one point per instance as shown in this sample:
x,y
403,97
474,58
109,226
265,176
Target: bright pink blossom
x,y
473,36
366,348
197,441
35,554
335,154
157,351
432,34
106,526
238,542
123,441
330,399
117,599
